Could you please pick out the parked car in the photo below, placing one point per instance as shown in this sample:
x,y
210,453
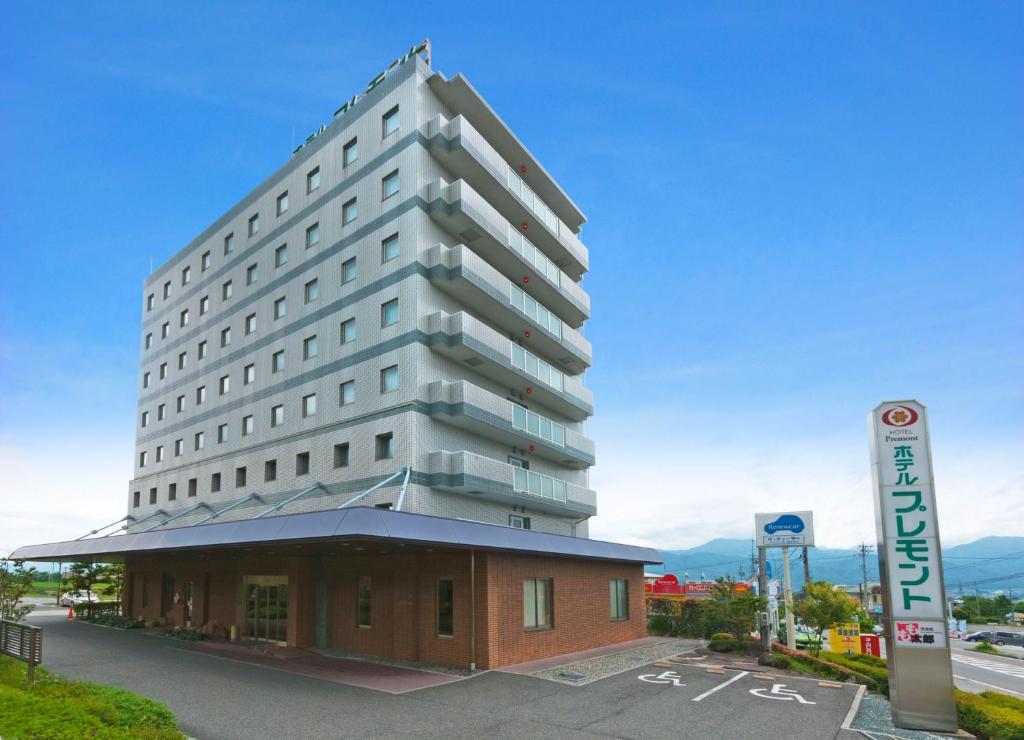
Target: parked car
x,y
77,597
979,636
1007,638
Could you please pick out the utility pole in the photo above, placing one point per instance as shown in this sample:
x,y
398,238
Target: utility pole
x,y
864,550
787,590
977,600
807,570
762,591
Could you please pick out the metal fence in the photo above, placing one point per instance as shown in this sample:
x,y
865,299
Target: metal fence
x,y
23,642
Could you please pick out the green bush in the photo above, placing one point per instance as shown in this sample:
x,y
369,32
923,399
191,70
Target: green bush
x,y
781,661
990,715
189,634
877,675
661,624
54,707
984,647
722,636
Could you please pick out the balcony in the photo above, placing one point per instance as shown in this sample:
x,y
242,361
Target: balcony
x,y
468,155
464,213
470,474
459,272
474,409
469,341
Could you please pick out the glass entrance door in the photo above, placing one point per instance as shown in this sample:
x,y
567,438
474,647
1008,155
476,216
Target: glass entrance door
x,y
266,608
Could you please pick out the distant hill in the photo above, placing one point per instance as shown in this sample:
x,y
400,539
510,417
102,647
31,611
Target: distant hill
x,y
995,563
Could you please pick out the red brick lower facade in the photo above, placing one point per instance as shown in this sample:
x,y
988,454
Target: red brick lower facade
x,y
313,600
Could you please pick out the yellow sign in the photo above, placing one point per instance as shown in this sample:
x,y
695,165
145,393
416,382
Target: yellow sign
x,y
845,638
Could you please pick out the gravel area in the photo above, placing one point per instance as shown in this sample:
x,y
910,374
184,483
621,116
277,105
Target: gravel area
x,y
874,716
594,669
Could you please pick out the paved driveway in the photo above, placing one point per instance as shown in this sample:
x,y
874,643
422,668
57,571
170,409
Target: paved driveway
x,y
217,698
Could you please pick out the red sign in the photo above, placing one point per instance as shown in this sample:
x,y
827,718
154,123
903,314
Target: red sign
x,y
871,645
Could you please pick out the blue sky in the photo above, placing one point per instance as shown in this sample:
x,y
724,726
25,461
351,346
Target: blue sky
x,y
794,214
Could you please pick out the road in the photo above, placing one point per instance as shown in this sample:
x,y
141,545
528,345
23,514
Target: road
x,y
977,672
217,698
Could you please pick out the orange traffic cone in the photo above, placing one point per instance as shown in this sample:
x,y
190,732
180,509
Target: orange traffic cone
x,y
71,613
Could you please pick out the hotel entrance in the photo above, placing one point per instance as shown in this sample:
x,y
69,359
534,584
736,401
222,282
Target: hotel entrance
x,y
266,608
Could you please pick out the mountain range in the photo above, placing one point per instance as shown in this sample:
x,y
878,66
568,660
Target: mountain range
x,y
994,564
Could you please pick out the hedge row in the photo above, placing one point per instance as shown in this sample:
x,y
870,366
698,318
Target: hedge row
x,y
991,715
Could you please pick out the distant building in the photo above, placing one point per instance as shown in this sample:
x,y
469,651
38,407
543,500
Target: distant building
x,y
873,602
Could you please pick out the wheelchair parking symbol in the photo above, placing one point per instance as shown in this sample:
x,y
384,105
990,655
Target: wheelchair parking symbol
x,y
665,677
780,692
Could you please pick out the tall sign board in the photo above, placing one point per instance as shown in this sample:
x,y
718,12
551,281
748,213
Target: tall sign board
x,y
910,562
784,529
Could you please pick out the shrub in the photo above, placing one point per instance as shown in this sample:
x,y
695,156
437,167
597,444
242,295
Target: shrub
x,y
781,661
189,634
990,715
877,675
985,647
722,636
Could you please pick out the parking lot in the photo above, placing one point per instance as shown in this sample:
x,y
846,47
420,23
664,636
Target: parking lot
x,y
216,697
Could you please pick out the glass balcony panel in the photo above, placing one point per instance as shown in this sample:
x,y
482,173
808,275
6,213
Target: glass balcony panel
x,y
533,424
518,417
545,428
532,365
534,480
521,479
518,357
543,372
547,487
558,434
530,308
559,491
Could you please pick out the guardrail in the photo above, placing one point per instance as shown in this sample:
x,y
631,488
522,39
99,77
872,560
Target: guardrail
x,y
22,642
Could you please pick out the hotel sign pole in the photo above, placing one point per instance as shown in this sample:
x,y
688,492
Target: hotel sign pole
x,y
910,565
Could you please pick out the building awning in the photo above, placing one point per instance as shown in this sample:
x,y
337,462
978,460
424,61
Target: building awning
x,y
354,523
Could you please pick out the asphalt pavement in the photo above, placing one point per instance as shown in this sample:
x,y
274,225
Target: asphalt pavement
x,y
977,672
215,697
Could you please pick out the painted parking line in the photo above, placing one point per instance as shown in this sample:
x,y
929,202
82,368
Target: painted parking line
x,y
722,685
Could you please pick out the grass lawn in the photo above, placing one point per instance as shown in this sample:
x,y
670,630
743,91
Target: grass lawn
x,y
56,708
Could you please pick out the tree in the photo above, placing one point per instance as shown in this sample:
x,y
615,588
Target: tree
x,y
732,609
83,576
113,576
823,607
15,582
959,613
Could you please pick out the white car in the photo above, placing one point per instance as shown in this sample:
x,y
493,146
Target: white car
x,y
77,597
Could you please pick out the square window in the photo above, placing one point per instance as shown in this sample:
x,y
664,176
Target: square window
x,y
226,290
193,487
167,290
201,351
251,274
277,361
280,307
309,347
282,203
518,522
389,379
172,491
225,384
249,374
204,305
225,336
247,425
179,447
390,248
390,122
152,495
390,185
350,152
145,379
180,403
145,418
199,441
347,392
349,211
222,433
240,477
254,224
159,453
619,598
204,262
215,483
182,360
165,329
309,405
385,446
270,470
341,455
313,180
348,331
148,341
150,300
186,275
200,395
250,324
281,256
313,236
229,243
389,313
302,463
538,603
161,412
183,319
348,270
277,416
312,291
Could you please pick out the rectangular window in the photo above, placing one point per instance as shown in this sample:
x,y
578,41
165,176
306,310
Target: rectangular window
x,y
309,405
350,152
180,403
193,487
250,324
341,455
251,274
389,313
145,418
136,496
202,350
249,374
148,341
348,331
282,203
229,243
167,290
313,180
145,379
347,392
389,379
538,603
165,329
226,290
518,522
277,415
302,463
254,224
225,384
389,248
445,607
204,261
183,319
390,185
161,412
159,453
270,470
172,491
349,211
182,360
204,305
619,596
186,275
281,256
222,433
152,495
312,236
240,477
277,361
142,459
312,290
200,441
150,300
363,601
309,347
348,270
215,483
280,307
385,446
390,122
247,425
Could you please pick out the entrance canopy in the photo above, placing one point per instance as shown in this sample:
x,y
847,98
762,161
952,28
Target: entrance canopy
x,y
354,523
